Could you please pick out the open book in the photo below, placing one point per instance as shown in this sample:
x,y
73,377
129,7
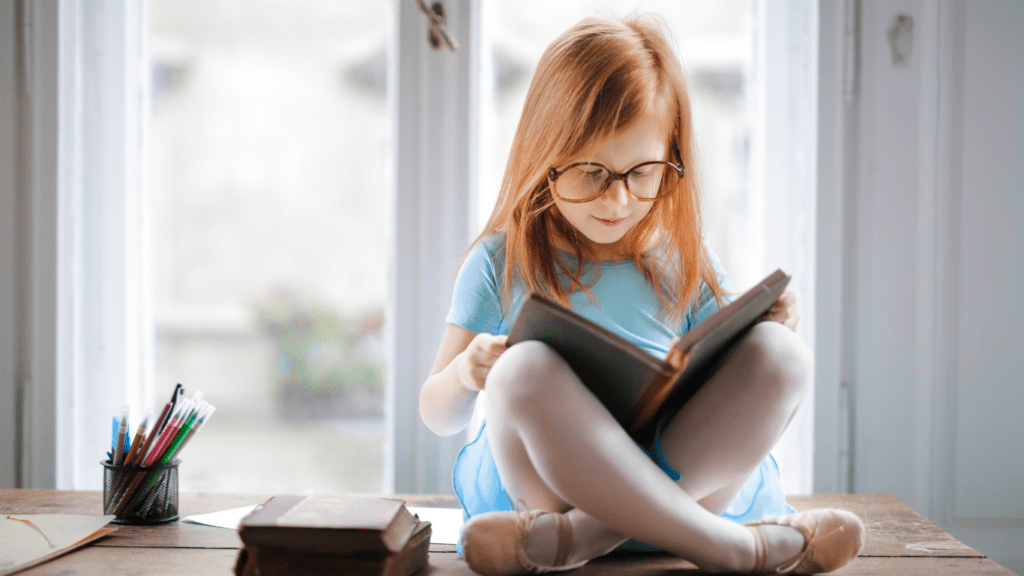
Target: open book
x,y
635,386
30,539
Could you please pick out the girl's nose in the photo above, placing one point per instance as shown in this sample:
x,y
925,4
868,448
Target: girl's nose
x,y
616,193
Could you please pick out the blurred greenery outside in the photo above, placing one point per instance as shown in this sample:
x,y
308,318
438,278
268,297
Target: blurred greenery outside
x,y
318,351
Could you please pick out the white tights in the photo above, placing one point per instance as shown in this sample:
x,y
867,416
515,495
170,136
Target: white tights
x,y
557,448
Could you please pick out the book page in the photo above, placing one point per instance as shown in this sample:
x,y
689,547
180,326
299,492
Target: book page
x,y
342,511
29,539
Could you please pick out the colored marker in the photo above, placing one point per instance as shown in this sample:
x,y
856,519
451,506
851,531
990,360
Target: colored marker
x,y
158,425
122,437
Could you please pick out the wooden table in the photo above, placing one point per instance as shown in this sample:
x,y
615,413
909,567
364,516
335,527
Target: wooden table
x,y
900,541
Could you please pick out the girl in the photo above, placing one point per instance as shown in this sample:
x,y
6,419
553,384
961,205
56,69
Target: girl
x,y
599,209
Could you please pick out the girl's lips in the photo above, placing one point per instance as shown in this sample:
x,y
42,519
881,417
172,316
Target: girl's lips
x,y
609,222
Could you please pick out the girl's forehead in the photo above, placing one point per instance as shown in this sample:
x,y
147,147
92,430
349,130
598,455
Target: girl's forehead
x,y
645,139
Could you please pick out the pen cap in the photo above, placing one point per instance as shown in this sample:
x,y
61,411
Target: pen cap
x,y
186,408
145,420
197,412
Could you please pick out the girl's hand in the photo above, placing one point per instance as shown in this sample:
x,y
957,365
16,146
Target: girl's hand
x,y
783,311
479,356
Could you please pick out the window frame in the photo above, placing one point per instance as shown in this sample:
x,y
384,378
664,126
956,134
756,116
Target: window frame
x,y
56,394
75,317
435,172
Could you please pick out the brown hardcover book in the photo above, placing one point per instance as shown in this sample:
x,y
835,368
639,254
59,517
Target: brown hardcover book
x,y
634,385
330,524
273,561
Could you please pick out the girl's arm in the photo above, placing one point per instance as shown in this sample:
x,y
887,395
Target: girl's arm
x,y
448,395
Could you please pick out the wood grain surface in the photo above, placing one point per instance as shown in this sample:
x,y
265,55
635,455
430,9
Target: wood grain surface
x,y
900,541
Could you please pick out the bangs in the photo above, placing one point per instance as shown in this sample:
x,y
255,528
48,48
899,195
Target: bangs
x,y
627,84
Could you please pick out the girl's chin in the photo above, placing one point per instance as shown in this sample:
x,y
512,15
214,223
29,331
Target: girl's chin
x,y
605,235
606,246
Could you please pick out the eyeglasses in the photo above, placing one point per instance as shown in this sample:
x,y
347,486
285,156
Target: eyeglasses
x,y
587,181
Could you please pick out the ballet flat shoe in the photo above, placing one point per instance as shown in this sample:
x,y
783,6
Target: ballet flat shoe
x,y
494,543
831,539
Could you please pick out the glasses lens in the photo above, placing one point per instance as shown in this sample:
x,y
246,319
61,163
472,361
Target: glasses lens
x,y
644,181
581,182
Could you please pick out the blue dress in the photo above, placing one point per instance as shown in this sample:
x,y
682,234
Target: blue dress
x,y
627,306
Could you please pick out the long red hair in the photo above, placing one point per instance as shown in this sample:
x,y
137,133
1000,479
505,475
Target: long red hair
x,y
598,77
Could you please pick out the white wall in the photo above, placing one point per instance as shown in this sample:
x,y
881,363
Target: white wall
x,y
932,261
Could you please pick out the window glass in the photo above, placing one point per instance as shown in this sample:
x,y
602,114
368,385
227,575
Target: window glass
x,y
269,142
714,40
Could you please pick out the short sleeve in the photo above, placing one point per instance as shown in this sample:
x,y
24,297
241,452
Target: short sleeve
x,y
476,301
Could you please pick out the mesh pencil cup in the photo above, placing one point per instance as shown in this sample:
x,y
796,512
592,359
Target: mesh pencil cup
x,y
141,494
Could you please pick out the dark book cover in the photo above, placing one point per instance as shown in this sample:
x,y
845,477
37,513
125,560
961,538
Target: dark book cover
x,y
271,561
330,524
634,385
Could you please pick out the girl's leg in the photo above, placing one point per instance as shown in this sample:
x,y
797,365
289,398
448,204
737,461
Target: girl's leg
x,y
556,447
741,411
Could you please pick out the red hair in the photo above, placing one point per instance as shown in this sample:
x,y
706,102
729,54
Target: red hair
x,y
601,76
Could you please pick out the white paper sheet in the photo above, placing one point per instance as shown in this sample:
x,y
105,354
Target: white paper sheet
x,y
230,518
445,523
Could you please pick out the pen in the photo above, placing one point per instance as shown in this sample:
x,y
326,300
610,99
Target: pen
x,y
179,438
199,409
173,425
155,445
160,437
176,432
203,417
179,391
114,422
158,425
169,453
134,454
140,439
122,433
132,491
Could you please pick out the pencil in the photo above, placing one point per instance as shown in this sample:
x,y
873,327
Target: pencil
x,y
154,453
178,433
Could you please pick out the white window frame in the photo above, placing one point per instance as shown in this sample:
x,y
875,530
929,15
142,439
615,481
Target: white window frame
x,y
434,100
74,321
784,192
836,89
57,390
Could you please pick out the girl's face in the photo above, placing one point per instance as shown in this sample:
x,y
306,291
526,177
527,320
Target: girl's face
x,y
605,220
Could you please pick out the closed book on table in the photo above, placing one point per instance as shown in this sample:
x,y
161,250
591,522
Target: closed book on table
x,y
273,561
634,385
340,525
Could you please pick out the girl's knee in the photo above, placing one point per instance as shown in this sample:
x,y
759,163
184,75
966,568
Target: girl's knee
x,y
780,358
524,370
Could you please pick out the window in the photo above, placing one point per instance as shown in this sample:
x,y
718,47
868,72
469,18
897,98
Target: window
x,y
270,221
222,317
